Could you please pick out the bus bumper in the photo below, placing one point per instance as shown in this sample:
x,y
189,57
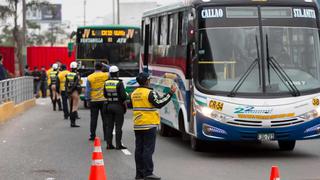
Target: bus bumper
x,y
211,130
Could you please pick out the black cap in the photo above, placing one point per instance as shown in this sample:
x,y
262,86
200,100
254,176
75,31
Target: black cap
x,y
98,66
142,78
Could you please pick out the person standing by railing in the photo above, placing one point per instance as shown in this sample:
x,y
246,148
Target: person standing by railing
x,y
43,82
36,80
3,70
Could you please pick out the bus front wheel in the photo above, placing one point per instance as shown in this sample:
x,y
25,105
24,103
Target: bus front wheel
x,y
196,144
287,145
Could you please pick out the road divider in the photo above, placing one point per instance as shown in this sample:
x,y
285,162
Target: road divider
x,y
9,110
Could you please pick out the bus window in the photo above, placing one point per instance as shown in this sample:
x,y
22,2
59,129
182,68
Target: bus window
x,y
164,30
180,30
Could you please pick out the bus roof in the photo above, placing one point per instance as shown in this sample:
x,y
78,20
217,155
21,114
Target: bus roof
x,y
109,26
181,5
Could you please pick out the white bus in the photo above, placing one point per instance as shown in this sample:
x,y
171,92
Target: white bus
x,y
246,70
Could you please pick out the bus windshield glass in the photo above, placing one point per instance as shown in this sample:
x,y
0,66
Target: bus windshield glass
x,y
230,42
118,47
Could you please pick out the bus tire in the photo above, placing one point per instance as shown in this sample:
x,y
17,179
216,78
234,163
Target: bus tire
x,y
287,145
164,130
196,144
182,129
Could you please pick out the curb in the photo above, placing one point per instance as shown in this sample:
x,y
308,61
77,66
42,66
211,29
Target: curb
x,y
9,110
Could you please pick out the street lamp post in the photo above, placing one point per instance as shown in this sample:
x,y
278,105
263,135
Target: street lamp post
x,y
84,11
116,7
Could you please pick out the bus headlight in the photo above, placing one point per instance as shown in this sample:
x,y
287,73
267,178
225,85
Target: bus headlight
x,y
310,115
210,113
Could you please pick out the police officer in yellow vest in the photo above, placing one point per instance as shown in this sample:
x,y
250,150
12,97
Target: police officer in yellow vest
x,y
115,109
145,103
73,88
62,80
94,95
54,86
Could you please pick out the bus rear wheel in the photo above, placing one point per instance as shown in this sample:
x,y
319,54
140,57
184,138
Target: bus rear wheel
x,y
196,144
287,145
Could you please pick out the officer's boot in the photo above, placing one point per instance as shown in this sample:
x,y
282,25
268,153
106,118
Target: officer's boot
x,y
77,115
54,103
59,104
73,119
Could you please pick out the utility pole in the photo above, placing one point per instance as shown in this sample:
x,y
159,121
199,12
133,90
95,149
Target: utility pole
x,y
84,11
113,12
118,12
24,34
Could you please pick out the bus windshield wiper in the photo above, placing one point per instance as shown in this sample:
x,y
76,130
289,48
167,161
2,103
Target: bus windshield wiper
x,y
257,61
284,77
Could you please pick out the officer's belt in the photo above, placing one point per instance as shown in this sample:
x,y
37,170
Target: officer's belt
x,y
145,109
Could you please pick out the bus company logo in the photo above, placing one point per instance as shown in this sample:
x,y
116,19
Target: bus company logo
x,y
86,33
252,110
130,33
212,13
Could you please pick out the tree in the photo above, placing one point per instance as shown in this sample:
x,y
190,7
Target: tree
x,y
11,10
54,32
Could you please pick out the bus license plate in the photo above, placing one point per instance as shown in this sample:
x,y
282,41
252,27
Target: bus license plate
x,y
266,136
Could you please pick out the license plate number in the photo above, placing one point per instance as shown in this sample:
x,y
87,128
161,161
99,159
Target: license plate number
x,y
266,136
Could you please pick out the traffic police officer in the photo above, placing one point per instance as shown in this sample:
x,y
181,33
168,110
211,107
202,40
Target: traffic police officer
x,y
116,96
94,95
62,80
54,86
73,88
146,118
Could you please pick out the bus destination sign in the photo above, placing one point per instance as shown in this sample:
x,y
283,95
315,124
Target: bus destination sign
x,y
105,35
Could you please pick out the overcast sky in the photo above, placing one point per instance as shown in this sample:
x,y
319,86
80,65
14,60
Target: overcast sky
x,y
72,10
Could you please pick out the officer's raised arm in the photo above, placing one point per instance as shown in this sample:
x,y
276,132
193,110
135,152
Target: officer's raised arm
x,y
159,101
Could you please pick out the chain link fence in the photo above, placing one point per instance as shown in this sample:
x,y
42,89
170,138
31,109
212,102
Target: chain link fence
x,y
17,90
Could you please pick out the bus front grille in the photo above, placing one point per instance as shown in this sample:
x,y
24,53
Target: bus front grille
x,y
265,123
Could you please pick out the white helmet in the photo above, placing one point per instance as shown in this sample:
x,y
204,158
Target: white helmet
x,y
73,65
113,69
55,66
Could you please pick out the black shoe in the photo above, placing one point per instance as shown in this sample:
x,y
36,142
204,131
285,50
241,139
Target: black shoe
x,y
152,177
74,126
77,115
110,146
66,117
121,147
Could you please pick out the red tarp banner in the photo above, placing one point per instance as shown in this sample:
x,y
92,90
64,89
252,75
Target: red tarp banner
x,y
46,56
8,58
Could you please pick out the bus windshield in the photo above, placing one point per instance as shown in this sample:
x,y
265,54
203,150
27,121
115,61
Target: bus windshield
x,y
116,48
230,41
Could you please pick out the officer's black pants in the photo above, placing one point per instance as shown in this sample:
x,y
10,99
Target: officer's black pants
x,y
114,116
145,145
64,96
95,108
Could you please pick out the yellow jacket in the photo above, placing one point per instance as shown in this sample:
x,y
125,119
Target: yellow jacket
x,y
95,86
62,79
48,75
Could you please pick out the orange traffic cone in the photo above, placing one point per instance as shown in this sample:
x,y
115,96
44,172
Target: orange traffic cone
x,y
275,175
97,171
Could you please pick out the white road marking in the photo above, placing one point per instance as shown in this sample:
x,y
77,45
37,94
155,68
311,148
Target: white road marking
x,y
114,132
4,141
50,178
126,152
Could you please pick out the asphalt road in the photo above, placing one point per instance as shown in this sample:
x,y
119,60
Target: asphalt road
x,y
39,145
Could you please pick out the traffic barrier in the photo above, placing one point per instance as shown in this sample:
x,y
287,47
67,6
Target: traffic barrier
x,y
16,96
97,171
275,175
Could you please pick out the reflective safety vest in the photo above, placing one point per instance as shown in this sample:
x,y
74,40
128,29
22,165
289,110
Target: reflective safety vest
x,y
111,90
97,81
71,76
48,75
53,77
62,79
145,115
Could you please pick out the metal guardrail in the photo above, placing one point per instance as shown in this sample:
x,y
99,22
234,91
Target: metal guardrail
x,y
17,90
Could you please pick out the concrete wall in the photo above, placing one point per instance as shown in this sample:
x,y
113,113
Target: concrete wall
x,y
9,110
